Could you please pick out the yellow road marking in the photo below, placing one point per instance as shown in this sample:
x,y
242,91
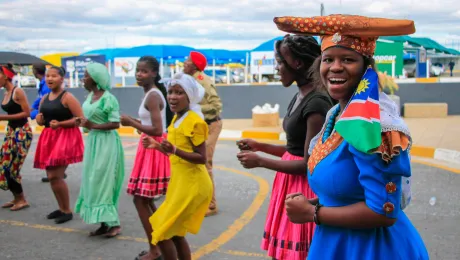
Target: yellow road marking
x,y
124,238
443,167
242,221
215,244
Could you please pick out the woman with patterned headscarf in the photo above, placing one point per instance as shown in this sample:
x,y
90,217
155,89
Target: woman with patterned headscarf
x,y
360,157
103,162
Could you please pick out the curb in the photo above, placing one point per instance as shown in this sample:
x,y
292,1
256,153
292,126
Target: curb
x,y
441,154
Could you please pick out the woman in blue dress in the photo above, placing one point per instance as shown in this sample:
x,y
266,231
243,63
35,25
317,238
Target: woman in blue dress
x,y
360,156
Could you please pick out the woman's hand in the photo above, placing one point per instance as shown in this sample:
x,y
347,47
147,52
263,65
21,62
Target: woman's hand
x,y
249,159
150,143
54,124
168,147
40,119
299,209
84,122
126,120
248,145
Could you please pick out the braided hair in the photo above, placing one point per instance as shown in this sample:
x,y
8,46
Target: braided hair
x,y
155,67
304,48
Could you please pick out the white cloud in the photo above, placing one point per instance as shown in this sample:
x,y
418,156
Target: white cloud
x,y
79,25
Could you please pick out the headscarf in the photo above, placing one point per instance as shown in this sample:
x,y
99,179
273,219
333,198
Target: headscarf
x,y
192,88
99,73
199,60
7,72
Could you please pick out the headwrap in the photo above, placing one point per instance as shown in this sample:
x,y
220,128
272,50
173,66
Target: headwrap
x,y
199,60
8,73
192,88
359,33
99,74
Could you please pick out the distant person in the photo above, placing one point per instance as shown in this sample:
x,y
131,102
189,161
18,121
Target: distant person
x,y
211,107
39,71
451,67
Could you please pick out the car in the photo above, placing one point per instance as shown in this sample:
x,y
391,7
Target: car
x,y
28,81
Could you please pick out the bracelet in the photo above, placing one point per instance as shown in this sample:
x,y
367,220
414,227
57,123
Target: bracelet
x,y
174,150
315,216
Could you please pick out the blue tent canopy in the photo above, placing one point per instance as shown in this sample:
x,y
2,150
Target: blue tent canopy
x,y
268,45
224,56
166,52
110,54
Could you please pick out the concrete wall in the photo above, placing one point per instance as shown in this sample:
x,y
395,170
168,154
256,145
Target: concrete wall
x,y
238,100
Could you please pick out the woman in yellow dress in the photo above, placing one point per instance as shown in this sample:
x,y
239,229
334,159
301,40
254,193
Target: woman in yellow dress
x,y
190,188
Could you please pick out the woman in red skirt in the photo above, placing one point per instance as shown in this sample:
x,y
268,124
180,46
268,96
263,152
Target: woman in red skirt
x,y
282,239
61,142
151,171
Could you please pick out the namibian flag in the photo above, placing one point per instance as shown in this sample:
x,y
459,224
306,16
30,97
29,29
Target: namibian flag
x,y
359,123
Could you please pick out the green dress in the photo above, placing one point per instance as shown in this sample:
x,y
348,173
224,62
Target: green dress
x,y
103,164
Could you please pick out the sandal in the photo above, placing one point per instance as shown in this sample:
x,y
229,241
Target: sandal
x,y
100,231
146,252
113,232
8,205
17,207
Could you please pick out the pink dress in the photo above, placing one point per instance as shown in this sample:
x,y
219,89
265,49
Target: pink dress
x,y
151,171
282,239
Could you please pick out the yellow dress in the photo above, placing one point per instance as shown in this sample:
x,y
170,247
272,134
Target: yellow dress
x,y
190,187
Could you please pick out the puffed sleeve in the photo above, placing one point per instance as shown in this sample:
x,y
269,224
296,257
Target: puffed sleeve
x,y
381,180
112,108
198,132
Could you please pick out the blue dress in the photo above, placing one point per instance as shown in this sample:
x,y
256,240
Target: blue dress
x,y
340,175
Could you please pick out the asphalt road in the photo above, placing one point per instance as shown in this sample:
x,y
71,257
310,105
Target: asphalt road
x,y
234,233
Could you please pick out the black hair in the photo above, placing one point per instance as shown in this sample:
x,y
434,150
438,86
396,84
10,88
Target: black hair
x,y
60,70
40,68
155,66
304,48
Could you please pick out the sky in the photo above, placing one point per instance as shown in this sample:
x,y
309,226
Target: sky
x,y
50,26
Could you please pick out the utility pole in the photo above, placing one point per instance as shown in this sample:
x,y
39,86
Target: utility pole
x,y
322,9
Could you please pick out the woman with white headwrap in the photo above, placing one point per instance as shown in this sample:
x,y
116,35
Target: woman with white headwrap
x,y
190,187
103,161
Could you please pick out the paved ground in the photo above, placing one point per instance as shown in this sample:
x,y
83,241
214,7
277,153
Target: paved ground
x,y
233,234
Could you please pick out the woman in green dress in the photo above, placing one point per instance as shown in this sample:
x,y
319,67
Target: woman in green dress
x,y
103,162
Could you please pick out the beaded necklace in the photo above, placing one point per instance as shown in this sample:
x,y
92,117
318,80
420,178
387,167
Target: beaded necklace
x,y
330,124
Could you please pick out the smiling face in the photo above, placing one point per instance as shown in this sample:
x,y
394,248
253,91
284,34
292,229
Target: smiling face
x,y
341,71
144,74
177,99
53,79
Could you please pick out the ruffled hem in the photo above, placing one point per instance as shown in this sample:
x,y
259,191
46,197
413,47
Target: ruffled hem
x,y
97,214
392,143
58,162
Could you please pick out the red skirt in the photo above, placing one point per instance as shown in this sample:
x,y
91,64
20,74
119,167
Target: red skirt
x,y
59,147
283,239
151,171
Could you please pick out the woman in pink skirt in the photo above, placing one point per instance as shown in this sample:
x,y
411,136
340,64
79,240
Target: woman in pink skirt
x,y
61,142
304,118
150,175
